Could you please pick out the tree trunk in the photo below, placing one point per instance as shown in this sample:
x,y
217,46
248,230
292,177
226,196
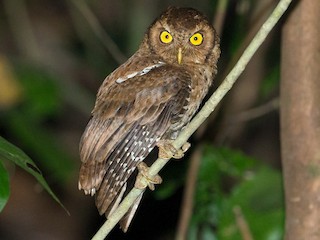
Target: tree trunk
x,y
300,120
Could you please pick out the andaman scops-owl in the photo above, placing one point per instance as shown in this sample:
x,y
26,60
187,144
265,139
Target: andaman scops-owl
x,y
145,101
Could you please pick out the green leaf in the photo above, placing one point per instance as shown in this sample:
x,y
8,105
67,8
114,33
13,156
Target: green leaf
x,y
4,187
12,153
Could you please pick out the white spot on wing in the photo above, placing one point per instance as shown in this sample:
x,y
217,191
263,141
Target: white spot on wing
x,y
139,158
92,191
139,73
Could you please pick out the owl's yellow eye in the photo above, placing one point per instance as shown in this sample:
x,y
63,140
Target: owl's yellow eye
x,y
166,37
196,39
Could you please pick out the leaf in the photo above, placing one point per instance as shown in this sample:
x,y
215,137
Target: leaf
x,y
12,153
4,187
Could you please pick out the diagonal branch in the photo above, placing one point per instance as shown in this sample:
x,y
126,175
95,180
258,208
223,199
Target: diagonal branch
x,y
201,116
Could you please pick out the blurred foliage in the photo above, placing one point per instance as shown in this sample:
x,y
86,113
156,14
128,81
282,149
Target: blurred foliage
x,y
42,98
27,122
10,89
11,153
29,97
271,82
228,179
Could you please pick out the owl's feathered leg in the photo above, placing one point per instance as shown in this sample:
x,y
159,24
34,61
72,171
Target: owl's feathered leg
x,y
167,150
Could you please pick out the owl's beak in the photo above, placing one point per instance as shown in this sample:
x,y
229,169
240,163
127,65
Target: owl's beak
x,y
179,55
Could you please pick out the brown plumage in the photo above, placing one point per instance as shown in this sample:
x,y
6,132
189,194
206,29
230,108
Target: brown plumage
x,y
151,97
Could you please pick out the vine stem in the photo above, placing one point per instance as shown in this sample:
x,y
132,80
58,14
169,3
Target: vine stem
x,y
202,115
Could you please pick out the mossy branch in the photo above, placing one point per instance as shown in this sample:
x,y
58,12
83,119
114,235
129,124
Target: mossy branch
x,y
201,116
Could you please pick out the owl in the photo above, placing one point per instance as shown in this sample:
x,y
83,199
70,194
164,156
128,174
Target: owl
x,y
145,103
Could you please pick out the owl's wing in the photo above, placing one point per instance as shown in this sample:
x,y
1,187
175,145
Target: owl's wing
x,y
128,119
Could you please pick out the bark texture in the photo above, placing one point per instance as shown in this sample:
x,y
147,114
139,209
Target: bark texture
x,y
300,120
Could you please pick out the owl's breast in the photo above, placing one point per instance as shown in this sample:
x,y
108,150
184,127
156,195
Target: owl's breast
x,y
201,80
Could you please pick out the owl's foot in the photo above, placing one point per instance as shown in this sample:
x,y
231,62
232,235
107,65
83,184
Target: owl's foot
x,y
144,179
167,150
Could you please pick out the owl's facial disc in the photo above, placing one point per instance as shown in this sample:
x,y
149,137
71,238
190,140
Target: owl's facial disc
x,y
182,36
166,38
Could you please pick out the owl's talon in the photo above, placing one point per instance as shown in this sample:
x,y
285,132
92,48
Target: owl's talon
x,y
144,179
167,150
185,147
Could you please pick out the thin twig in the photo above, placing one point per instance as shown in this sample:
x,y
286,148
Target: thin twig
x,y
187,202
242,223
220,15
98,30
22,28
255,112
201,116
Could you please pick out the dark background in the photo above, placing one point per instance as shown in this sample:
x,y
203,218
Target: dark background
x,y
51,65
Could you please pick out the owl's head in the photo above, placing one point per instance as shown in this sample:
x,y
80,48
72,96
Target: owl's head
x,y
183,36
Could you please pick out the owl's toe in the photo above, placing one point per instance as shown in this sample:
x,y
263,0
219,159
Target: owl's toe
x,y
144,179
167,150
